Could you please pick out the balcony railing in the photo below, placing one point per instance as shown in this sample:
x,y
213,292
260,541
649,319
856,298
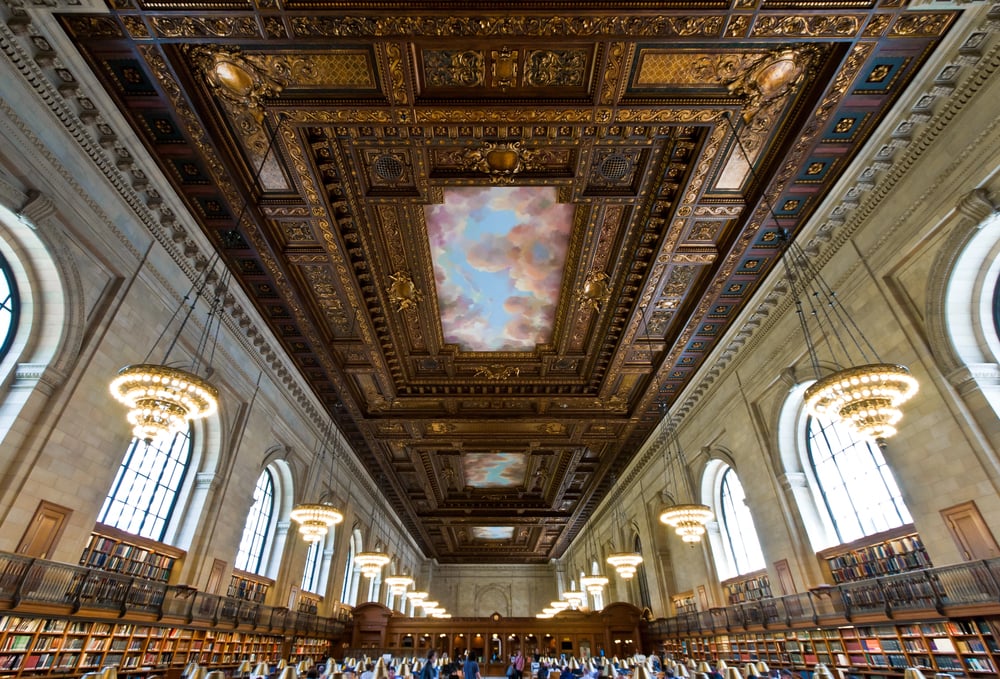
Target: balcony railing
x,y
938,590
24,580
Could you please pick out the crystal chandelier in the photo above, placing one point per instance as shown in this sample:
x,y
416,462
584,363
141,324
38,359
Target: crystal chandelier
x,y
593,583
398,584
371,563
688,519
417,597
863,393
574,596
163,399
866,397
315,518
559,605
625,563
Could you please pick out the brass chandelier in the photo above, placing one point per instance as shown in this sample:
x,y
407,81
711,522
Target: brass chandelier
x,y
398,584
867,393
863,393
688,519
316,518
625,563
162,399
595,582
371,563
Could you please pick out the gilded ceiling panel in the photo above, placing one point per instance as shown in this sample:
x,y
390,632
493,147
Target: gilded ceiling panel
x,y
310,145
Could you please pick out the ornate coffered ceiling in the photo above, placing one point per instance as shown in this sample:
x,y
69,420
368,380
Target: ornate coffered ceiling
x,y
334,153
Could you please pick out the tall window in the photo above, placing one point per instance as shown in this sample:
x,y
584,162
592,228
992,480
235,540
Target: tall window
x,y
250,558
858,488
640,576
738,531
145,488
9,307
314,559
349,591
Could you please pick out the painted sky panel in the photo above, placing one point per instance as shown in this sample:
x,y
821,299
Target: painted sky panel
x,y
498,254
493,532
494,470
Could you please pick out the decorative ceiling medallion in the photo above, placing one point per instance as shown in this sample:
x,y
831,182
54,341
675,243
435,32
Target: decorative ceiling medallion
x,y
596,291
235,79
772,78
402,292
501,161
497,372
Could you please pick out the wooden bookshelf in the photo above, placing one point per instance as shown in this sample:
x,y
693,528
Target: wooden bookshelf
x,y
309,602
895,551
111,549
317,649
684,603
751,587
966,647
39,646
249,587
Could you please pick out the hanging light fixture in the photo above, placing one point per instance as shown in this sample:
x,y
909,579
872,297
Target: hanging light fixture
x,y
688,519
625,563
864,393
162,399
371,563
574,596
316,518
398,584
595,582
417,597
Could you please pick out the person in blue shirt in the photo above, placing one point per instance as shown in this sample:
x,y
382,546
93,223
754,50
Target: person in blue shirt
x,y
470,668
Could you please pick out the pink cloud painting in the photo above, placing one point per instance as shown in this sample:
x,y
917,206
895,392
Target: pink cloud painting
x,y
494,470
498,254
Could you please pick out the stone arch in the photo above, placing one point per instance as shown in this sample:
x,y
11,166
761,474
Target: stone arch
x,y
959,309
50,332
491,599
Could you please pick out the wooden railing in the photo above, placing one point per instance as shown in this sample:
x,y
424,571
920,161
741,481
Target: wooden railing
x,y
938,591
26,581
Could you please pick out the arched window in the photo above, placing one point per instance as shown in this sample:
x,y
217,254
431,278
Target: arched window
x,y
858,488
640,575
250,557
349,594
739,534
10,307
145,489
314,559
